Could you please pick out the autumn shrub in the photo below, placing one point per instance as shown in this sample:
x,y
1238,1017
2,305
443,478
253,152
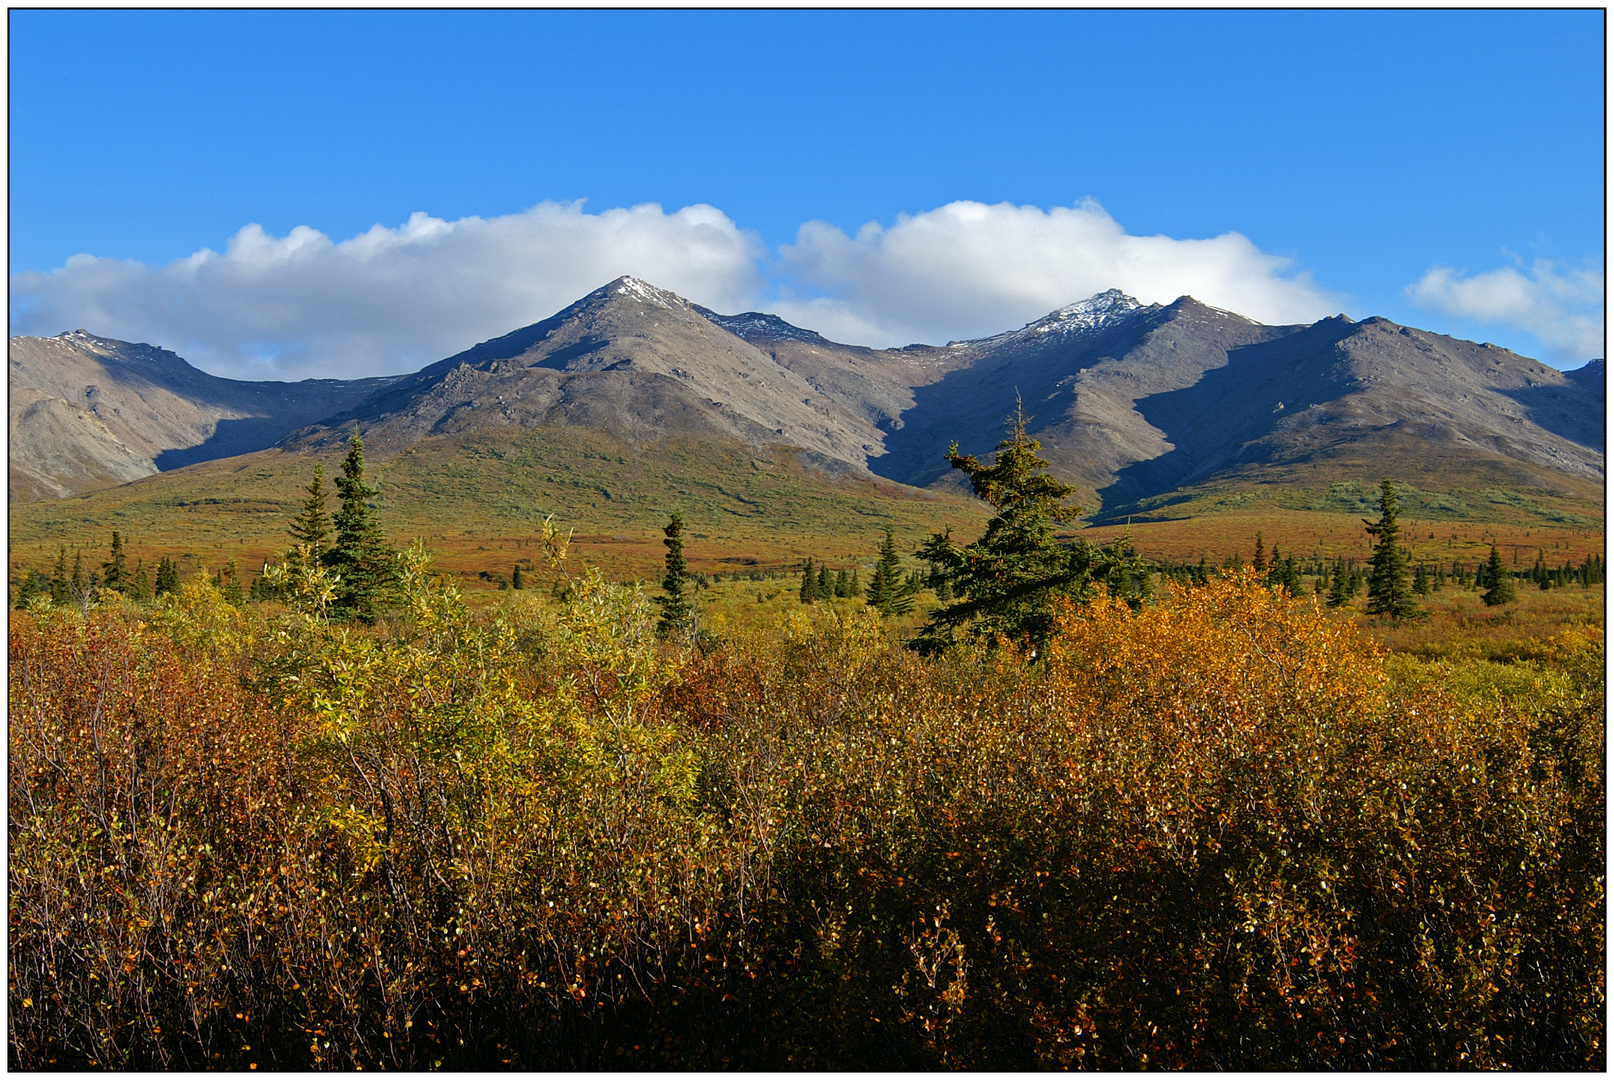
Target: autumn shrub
x,y
1223,830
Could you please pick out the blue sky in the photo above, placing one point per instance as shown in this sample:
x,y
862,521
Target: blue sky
x,y
881,176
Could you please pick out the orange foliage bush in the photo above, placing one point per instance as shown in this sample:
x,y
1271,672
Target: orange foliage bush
x,y
1212,833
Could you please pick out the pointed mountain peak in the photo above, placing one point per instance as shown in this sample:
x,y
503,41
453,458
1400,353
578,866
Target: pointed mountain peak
x,y
633,288
1097,312
1186,303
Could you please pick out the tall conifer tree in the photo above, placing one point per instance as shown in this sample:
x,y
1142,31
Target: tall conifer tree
x,y
365,566
312,526
675,608
886,592
79,581
61,589
115,571
1497,581
1005,583
1388,591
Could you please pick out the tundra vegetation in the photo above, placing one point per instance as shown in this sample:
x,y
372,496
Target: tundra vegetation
x,y
1111,818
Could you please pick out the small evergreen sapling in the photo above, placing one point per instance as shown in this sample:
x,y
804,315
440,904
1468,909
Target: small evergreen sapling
x,y
312,526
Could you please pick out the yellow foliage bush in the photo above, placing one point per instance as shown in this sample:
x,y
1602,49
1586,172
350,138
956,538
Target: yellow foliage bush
x,y
1222,831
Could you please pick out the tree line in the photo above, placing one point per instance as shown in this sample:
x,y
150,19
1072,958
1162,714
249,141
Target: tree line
x,y
1004,585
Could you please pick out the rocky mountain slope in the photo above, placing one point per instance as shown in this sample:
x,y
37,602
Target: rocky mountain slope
x,y
89,412
628,359
1133,403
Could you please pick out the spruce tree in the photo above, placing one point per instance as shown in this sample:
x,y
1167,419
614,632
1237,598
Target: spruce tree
x,y
843,583
33,583
61,589
167,577
260,590
1421,581
79,582
115,571
312,526
1497,581
516,580
142,587
1006,582
1260,565
675,608
1287,574
228,583
365,566
1388,591
886,592
1339,591
809,582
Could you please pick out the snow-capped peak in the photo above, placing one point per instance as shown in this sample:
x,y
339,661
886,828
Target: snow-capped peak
x,y
1084,316
646,292
1087,314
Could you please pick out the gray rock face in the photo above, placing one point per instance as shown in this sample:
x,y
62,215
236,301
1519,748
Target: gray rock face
x,y
629,359
1134,402
89,412
1131,402
1590,376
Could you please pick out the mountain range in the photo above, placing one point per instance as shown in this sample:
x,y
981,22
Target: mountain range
x,y
1136,405
88,412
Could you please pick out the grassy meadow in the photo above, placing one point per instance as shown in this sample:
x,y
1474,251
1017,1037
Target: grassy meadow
x,y
1227,828
480,504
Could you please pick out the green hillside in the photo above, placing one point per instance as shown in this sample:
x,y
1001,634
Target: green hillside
x,y
479,501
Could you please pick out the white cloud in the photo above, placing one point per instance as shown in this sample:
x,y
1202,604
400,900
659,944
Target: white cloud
x,y
1563,310
968,269
389,300
395,299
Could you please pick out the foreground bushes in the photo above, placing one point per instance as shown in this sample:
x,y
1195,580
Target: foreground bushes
x,y
1215,833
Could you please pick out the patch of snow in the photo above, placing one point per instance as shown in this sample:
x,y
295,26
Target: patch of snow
x,y
644,291
757,324
1081,318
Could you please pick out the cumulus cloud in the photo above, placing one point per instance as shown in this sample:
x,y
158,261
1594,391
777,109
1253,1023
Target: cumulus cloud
x,y
1564,310
389,300
395,299
968,269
